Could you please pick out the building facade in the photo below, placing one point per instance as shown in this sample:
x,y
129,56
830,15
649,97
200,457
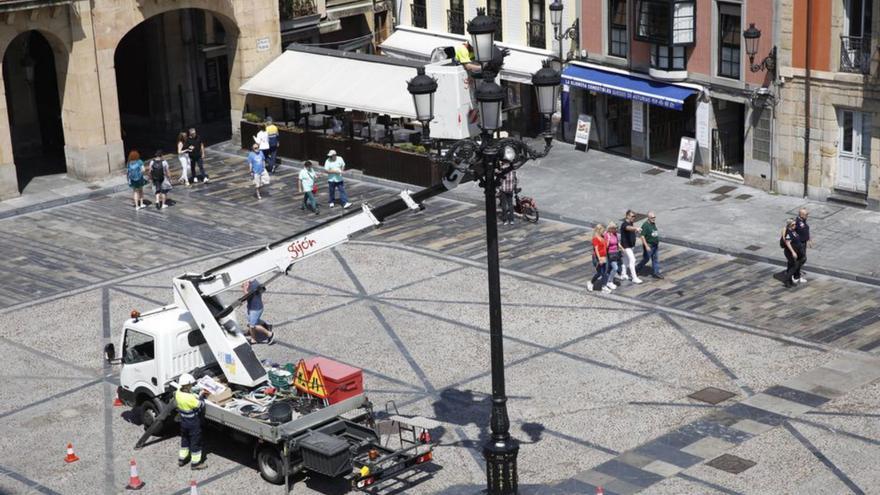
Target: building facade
x,y
654,71
524,28
830,99
84,80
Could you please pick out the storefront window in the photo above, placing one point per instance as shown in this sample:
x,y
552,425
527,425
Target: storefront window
x,y
729,34
618,38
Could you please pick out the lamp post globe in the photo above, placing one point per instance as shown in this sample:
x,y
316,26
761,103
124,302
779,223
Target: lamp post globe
x,y
490,96
546,82
422,88
482,30
752,37
556,14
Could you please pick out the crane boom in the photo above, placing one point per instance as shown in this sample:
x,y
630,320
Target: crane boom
x,y
197,292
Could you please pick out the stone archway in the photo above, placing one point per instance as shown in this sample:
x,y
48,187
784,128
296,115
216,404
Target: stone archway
x,y
33,104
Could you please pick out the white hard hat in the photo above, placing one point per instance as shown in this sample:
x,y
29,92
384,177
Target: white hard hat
x,y
186,379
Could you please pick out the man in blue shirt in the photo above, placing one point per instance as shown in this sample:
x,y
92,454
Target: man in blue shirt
x,y
254,292
257,163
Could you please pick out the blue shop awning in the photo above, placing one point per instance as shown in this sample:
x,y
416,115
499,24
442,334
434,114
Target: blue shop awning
x,y
625,86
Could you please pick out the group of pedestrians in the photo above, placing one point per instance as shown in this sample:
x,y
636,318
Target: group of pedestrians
x,y
190,154
307,183
794,241
613,252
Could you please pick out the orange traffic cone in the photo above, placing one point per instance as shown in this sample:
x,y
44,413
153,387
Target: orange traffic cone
x,y
600,491
134,481
117,402
71,457
193,488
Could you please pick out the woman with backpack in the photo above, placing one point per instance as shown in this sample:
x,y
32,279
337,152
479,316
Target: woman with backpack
x,y
135,172
160,176
183,157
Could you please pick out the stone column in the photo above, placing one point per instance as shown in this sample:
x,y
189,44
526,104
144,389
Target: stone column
x,y
93,143
8,179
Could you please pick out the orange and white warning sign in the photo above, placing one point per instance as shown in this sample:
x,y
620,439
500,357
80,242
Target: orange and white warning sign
x,y
316,383
301,376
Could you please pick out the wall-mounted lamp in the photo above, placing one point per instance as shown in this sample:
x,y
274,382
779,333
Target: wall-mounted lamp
x,y
752,36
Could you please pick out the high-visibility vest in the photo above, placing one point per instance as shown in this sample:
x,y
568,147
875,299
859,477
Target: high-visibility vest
x,y
462,54
188,404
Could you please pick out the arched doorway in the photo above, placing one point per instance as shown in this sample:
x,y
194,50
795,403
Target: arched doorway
x,y
34,108
172,73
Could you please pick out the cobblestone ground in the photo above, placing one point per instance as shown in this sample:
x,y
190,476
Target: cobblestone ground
x,y
599,384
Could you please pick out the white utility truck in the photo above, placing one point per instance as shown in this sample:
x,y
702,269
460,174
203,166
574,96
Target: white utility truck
x,y
291,429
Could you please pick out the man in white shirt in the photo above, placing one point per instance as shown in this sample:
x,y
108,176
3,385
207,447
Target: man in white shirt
x,y
334,166
306,185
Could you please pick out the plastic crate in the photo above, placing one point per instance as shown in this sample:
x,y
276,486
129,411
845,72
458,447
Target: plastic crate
x,y
325,454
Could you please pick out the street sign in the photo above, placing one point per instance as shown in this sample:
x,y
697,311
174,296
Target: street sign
x,y
263,44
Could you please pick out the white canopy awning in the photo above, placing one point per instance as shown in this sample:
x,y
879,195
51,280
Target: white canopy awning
x,y
337,79
418,44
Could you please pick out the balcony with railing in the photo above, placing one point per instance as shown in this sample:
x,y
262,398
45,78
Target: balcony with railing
x,y
537,34
455,20
855,54
419,15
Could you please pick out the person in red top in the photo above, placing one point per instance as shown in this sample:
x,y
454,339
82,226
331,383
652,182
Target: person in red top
x,y
600,260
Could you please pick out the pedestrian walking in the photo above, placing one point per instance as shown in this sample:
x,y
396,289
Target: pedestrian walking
x,y
136,181
308,185
628,234
257,167
196,148
272,140
160,177
183,158
262,140
612,242
189,408
600,260
650,246
255,324
803,230
793,247
506,190
334,166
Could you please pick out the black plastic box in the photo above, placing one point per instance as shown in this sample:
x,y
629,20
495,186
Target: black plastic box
x,y
325,454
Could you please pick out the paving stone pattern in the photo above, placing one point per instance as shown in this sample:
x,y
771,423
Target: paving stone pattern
x,y
59,249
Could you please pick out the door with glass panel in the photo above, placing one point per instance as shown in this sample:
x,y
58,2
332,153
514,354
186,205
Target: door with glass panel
x,y
854,151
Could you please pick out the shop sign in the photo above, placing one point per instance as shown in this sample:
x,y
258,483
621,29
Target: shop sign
x,y
687,153
582,134
703,124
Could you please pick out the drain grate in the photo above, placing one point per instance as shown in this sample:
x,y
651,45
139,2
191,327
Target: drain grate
x,y
654,171
731,464
720,197
744,196
723,190
698,182
712,395
639,216
752,247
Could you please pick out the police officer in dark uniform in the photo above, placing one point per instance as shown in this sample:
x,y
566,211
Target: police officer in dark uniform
x,y
794,251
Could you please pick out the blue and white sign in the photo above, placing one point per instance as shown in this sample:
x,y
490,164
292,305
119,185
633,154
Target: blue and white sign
x,y
624,86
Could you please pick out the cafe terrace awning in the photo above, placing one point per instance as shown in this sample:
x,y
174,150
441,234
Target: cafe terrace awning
x,y
626,86
418,44
370,83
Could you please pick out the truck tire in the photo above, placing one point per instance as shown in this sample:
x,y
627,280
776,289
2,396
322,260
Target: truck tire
x,y
149,412
270,464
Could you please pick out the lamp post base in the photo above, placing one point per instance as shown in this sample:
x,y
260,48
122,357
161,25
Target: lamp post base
x,y
501,473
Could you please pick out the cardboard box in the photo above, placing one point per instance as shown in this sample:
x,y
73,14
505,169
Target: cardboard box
x,y
221,397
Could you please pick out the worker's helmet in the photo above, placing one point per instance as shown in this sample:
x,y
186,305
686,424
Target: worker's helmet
x,y
186,379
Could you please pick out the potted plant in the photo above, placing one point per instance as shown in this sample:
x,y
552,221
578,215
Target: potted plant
x,y
251,124
407,163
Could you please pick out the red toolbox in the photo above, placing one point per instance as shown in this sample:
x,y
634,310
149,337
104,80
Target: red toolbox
x,y
342,381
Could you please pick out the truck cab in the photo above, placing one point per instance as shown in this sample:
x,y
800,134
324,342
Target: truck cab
x,y
156,348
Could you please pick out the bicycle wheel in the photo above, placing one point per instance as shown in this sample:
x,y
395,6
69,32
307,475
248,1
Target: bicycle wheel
x,y
530,214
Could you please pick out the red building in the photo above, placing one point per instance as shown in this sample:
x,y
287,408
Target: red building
x,y
653,71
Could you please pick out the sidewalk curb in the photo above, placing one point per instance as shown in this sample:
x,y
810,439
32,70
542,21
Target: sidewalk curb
x,y
52,203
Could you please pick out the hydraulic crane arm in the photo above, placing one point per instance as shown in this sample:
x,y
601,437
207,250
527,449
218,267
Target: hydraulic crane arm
x,y
196,292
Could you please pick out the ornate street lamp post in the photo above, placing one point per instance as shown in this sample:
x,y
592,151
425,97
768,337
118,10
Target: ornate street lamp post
x,y
752,37
478,159
571,33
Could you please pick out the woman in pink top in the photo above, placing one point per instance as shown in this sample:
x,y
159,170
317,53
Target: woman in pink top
x,y
613,265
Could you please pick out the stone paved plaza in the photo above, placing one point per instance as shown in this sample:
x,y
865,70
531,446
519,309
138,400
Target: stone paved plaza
x,y
599,384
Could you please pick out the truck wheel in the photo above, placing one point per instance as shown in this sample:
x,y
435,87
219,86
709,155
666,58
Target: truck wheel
x,y
150,411
270,465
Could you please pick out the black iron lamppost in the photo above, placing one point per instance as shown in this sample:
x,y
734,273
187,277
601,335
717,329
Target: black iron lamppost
x,y
571,33
422,88
478,159
752,37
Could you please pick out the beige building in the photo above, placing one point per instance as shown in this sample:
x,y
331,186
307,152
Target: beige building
x,y
85,80
832,102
